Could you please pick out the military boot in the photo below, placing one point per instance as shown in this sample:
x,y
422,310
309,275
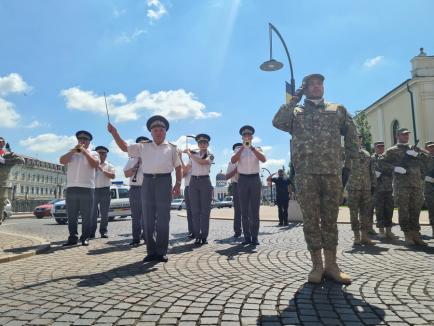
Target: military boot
x,y
317,272
371,231
418,239
331,269
356,238
365,239
389,234
381,233
408,238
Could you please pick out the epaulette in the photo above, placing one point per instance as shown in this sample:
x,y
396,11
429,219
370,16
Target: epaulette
x,y
173,145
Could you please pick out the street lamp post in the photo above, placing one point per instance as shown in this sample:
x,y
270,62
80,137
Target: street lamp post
x,y
271,186
273,65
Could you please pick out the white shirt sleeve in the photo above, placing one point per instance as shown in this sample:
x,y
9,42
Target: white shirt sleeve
x,y
175,158
134,150
130,164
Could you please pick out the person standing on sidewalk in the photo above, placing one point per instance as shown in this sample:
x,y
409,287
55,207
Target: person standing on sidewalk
x,y
232,174
158,159
200,188
247,158
132,170
429,183
101,201
406,163
383,196
316,128
81,164
186,174
282,195
361,186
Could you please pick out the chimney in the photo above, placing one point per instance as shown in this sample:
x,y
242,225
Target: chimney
x,y
422,65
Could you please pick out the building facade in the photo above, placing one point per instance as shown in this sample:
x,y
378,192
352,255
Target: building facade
x,y
221,189
410,105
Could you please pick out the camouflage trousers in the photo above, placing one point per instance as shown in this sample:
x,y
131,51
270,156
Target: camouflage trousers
x,y
2,198
319,196
429,200
409,202
383,202
360,205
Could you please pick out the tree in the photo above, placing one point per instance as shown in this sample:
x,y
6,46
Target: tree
x,y
364,128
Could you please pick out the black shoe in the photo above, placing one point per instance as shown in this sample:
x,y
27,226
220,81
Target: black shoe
x,y
104,235
280,224
247,241
198,241
285,224
69,243
149,258
190,235
85,242
237,235
162,259
134,243
255,242
204,241
92,236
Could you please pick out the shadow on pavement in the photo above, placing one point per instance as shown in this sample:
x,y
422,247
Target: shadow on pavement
x,y
325,304
236,250
21,249
363,249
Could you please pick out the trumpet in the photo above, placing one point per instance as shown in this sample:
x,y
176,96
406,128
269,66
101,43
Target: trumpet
x,y
246,143
78,148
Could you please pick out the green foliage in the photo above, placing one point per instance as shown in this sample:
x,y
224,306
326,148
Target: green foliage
x,y
364,128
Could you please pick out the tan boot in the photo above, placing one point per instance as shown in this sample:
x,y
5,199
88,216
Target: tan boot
x,y
381,233
356,238
317,272
331,269
418,239
365,239
408,236
389,234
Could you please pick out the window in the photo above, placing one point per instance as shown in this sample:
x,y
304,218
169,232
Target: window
x,y
22,190
395,127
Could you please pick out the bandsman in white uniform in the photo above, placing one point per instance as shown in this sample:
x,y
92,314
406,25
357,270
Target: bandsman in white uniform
x,y
101,201
232,174
200,188
186,174
158,160
81,164
247,158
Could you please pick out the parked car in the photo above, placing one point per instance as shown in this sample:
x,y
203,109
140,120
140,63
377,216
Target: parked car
x,y
227,202
45,209
177,203
119,205
7,211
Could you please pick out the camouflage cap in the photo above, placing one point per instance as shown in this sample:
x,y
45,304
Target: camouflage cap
x,y
311,76
402,131
429,143
379,143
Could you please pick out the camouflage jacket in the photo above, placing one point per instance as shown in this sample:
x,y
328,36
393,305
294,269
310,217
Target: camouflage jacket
x,y
396,156
362,175
428,166
384,181
316,132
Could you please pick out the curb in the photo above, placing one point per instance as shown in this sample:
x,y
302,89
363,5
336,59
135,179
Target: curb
x,y
42,247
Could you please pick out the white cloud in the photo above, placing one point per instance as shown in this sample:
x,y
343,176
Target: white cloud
x,y
273,164
372,62
256,140
37,124
9,117
173,104
128,38
156,10
118,12
266,149
49,143
13,83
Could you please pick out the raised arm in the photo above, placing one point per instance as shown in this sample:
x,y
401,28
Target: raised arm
x,y
122,144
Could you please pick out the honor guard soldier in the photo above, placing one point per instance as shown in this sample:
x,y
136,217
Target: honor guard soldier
x,y
361,186
200,188
158,160
316,128
101,201
383,196
429,182
81,164
232,174
282,183
132,170
406,163
247,158
186,174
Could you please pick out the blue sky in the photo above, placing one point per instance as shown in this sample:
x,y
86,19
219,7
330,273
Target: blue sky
x,y
194,61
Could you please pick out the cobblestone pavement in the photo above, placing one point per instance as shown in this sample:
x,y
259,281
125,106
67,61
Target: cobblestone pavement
x,y
220,283
15,246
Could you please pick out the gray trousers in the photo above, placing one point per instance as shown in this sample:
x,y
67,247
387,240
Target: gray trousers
x,y
249,192
79,202
156,198
200,192
138,219
188,207
237,209
101,206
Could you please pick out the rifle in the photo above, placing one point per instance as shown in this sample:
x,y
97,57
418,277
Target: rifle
x,y
134,178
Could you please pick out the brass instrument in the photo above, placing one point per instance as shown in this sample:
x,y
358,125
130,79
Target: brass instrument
x,y
78,148
137,166
246,143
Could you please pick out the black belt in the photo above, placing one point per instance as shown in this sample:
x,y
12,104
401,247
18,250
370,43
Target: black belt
x,y
200,176
156,175
135,186
249,175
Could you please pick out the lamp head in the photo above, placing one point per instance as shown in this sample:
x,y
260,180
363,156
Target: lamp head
x,y
271,65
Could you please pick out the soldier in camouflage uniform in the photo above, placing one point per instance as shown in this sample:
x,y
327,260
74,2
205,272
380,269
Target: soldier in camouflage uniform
x,y
429,183
407,164
361,186
316,128
383,196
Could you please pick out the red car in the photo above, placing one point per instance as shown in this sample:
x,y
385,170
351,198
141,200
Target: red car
x,y
45,209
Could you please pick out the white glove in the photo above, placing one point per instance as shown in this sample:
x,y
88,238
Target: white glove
x,y
429,179
400,170
2,160
377,174
412,152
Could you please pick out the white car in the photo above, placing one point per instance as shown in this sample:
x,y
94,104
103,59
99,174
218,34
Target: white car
x,y
119,205
177,203
7,211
